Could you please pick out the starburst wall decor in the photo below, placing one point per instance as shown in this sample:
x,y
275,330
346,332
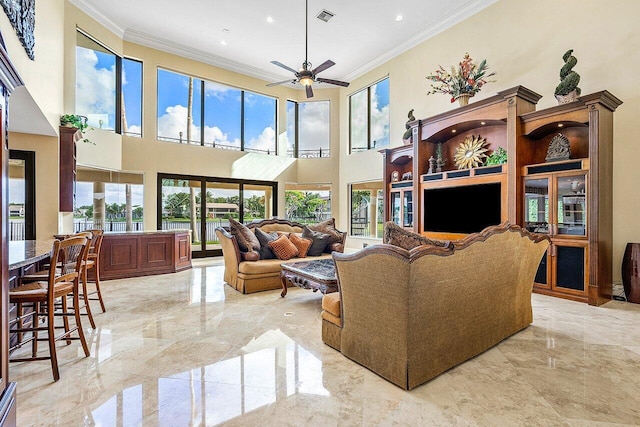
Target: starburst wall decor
x,y
22,15
471,152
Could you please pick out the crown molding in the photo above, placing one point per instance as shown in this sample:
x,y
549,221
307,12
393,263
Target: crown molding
x,y
99,16
462,13
188,52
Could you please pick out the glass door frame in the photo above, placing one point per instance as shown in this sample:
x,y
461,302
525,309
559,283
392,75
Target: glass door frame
x,y
203,251
29,158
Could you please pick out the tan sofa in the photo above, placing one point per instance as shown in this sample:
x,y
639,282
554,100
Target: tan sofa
x,y
254,276
410,315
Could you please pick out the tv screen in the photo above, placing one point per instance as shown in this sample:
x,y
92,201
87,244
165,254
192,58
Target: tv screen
x,y
464,209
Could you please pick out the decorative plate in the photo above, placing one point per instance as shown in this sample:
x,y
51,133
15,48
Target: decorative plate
x,y
471,152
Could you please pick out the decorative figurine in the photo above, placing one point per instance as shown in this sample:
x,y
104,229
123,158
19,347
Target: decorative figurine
x,y
559,149
432,165
395,176
440,161
406,138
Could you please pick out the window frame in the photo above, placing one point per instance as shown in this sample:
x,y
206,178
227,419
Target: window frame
x,y
296,143
370,144
201,124
118,83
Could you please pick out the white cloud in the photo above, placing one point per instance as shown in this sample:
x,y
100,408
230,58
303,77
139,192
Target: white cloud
x,y
265,141
314,125
174,121
95,87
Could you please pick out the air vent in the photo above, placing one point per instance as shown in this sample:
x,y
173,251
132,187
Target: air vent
x,y
325,15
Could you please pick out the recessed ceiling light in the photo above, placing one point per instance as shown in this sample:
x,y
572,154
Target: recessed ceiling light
x,y
269,19
399,18
223,43
560,125
453,131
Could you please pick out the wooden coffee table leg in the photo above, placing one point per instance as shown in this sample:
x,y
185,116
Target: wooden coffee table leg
x,y
283,280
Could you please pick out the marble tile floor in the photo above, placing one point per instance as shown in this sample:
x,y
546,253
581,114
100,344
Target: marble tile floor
x,y
186,350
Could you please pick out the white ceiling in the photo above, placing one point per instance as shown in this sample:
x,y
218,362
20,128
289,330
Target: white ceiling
x,y
361,35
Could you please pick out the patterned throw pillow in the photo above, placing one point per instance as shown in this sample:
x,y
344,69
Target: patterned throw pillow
x,y
283,248
264,239
301,243
398,236
320,241
247,241
329,227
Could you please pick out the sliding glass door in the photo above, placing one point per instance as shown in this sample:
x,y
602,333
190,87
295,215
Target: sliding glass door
x,y
201,204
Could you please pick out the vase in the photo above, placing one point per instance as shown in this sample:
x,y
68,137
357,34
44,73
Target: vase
x,y
631,272
463,99
565,99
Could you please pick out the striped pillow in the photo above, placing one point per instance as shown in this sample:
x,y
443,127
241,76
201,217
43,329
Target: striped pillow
x,y
283,248
301,243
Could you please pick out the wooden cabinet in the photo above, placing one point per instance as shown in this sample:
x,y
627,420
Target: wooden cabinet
x,y
9,80
399,188
143,254
570,200
68,138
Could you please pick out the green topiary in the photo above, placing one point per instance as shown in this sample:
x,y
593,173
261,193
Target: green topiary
x,y
568,79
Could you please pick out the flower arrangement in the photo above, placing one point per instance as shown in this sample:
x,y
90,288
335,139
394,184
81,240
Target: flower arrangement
x,y
467,78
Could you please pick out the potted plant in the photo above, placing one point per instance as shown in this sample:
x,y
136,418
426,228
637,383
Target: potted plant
x,y
76,121
461,82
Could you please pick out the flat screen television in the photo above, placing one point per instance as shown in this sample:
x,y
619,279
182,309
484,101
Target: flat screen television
x,y
464,209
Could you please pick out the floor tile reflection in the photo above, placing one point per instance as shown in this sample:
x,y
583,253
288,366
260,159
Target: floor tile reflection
x,y
184,349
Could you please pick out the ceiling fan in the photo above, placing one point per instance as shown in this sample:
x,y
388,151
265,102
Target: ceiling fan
x,y
306,76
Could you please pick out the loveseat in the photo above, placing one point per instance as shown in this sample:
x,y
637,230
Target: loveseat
x,y
246,272
409,315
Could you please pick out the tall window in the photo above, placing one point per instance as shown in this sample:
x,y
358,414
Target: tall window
x,y
369,117
108,88
308,129
366,209
195,111
22,195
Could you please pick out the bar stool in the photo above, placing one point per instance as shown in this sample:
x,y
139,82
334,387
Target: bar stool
x,y
42,296
93,263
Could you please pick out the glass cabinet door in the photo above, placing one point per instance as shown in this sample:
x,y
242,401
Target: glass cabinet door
x,y
407,209
395,207
571,199
536,205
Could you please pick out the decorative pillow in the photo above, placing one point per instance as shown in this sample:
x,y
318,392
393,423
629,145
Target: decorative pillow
x,y
250,256
329,227
301,243
398,236
247,241
264,239
335,247
283,248
320,241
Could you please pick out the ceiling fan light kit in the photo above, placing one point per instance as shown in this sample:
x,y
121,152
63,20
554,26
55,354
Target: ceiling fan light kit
x,y
306,76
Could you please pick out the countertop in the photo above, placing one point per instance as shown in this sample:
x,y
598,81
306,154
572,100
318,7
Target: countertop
x,y
25,252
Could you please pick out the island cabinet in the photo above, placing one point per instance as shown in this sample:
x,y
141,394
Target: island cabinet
x,y
144,253
568,198
571,199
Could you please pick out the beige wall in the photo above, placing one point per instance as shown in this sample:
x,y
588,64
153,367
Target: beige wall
x,y
523,41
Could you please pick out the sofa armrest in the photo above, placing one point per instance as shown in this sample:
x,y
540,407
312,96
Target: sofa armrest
x,y
231,255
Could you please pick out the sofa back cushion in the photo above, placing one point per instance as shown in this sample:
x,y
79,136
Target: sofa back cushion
x,y
264,238
329,227
247,241
398,236
319,241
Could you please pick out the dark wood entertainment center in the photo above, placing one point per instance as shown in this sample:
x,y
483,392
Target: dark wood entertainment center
x,y
570,200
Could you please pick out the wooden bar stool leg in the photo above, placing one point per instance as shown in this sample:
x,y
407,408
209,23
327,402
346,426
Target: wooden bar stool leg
x,y
65,318
52,342
19,312
35,323
85,297
98,290
76,309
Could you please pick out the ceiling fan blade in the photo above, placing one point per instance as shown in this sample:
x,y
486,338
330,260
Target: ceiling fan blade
x,y
281,83
333,82
326,64
309,92
280,64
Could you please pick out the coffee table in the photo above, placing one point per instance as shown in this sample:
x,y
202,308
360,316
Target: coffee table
x,y
318,274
